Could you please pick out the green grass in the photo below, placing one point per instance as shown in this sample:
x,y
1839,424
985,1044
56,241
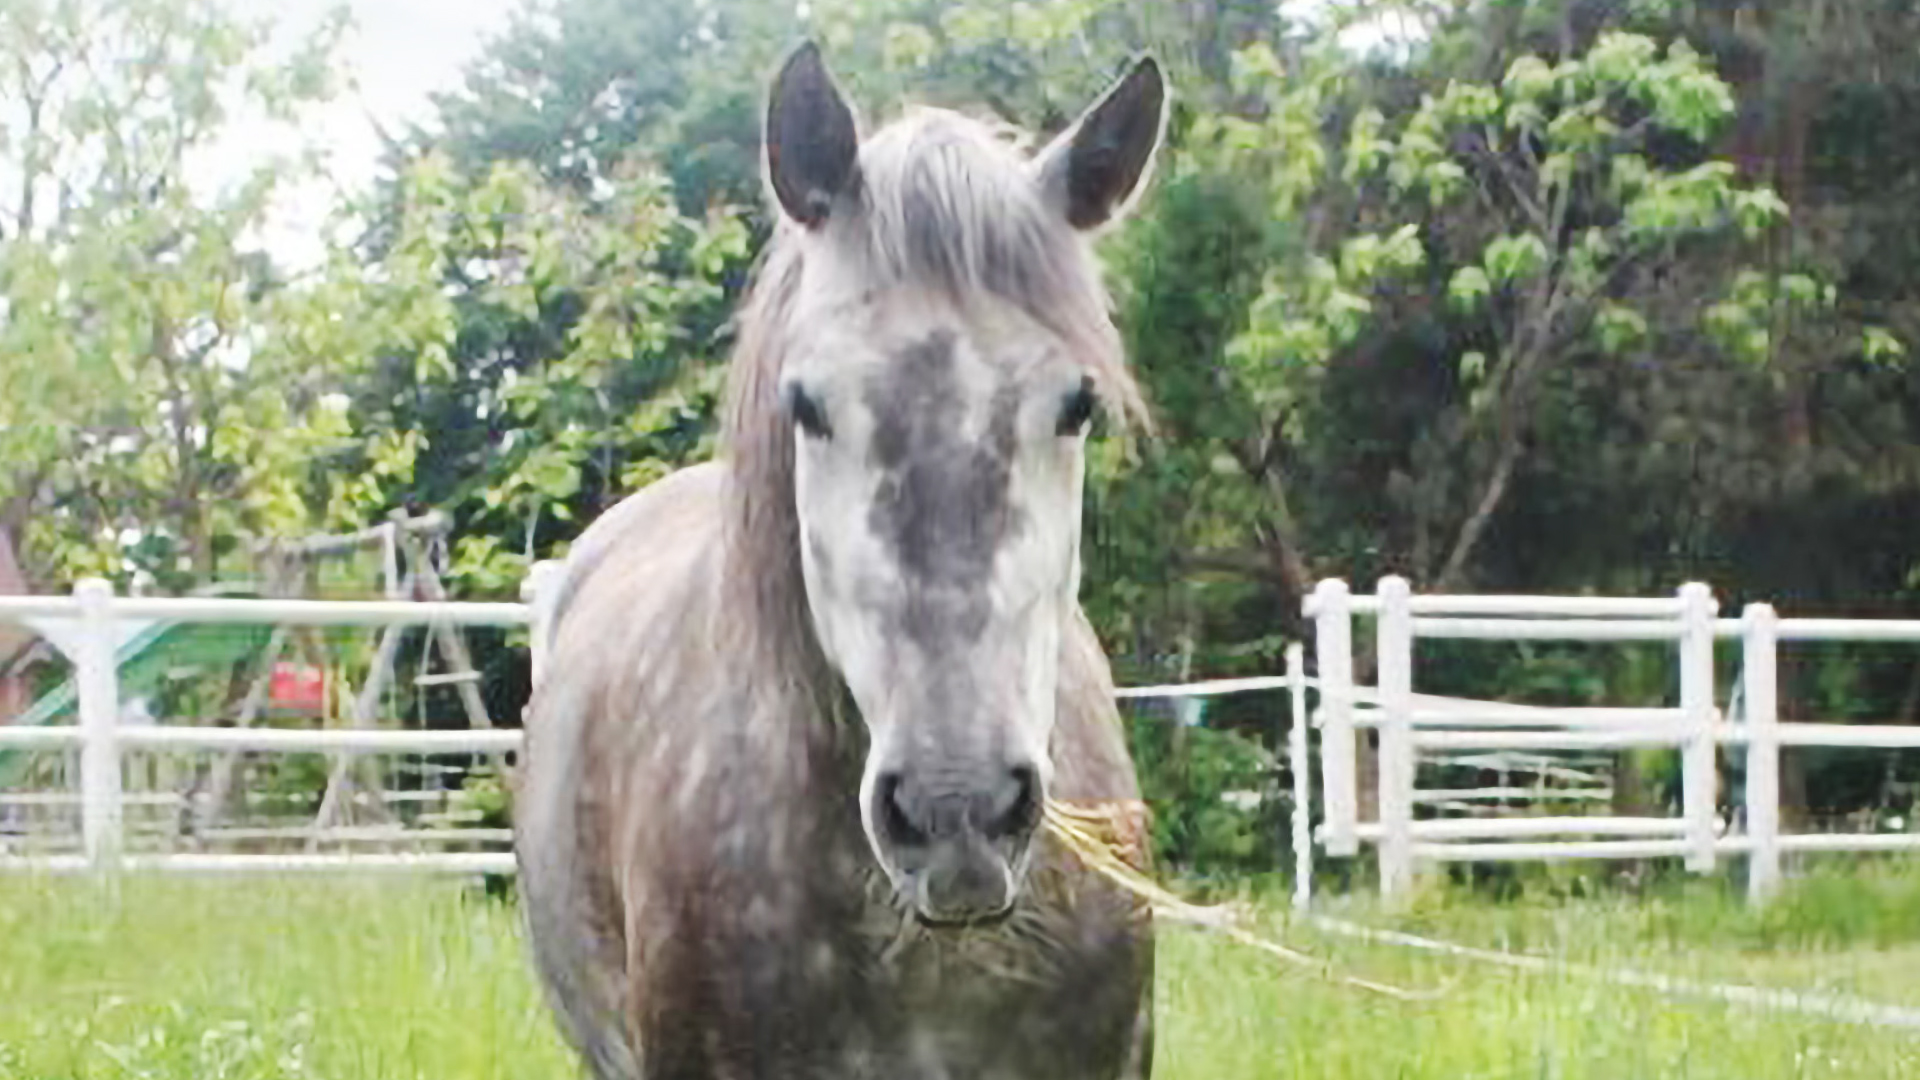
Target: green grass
x,y
209,980
201,980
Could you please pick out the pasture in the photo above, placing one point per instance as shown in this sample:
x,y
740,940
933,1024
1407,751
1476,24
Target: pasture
x,y
390,979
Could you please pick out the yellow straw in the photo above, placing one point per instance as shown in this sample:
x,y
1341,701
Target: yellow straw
x,y
1068,825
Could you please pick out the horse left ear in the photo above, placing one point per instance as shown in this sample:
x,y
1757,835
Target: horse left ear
x,y
812,143
1094,169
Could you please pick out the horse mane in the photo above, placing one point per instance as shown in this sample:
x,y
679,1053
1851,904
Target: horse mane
x,y
942,202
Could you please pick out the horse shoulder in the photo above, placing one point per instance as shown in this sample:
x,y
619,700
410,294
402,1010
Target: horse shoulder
x,y
630,581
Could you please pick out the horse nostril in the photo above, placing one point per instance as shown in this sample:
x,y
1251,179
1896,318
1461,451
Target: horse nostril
x,y
896,821
1018,809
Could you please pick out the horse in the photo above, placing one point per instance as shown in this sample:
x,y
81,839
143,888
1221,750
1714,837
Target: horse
x,y
804,706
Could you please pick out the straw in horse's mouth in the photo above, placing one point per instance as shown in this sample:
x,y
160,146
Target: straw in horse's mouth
x,y
974,922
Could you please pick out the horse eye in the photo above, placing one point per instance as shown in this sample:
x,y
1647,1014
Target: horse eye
x,y
1076,409
807,413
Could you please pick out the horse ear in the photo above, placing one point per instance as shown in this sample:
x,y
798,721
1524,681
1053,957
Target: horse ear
x,y
1099,164
812,143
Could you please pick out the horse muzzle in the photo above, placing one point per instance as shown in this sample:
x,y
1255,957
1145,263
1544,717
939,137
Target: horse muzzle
x,y
957,851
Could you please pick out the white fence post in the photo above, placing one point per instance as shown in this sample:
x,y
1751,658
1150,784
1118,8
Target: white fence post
x,y
96,681
1698,778
1759,649
541,592
1333,650
1395,659
1302,767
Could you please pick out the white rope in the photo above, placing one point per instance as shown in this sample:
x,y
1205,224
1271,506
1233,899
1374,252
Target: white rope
x,y
1838,1007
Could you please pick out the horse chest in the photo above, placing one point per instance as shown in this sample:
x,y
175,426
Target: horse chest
x,y
805,965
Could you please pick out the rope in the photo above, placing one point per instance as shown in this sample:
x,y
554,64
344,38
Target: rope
x,y
1069,824
1838,1007
1072,825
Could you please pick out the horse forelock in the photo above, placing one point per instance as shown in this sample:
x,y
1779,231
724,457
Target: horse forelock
x,y
943,203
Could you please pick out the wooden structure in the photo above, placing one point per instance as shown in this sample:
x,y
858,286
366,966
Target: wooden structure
x,y
411,552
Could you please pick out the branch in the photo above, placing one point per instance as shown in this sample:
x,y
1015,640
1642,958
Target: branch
x,y
1516,182
1284,536
1250,454
1476,524
1532,340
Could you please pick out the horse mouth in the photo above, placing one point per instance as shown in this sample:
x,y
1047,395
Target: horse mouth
x,y
983,897
976,920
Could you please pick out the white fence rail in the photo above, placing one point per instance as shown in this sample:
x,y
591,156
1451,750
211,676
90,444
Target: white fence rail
x,y
1697,728
90,616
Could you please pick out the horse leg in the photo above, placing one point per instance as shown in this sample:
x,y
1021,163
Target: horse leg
x,y
573,914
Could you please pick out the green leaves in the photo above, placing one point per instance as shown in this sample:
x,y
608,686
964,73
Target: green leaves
x,y
1685,94
1367,257
1304,313
1616,61
1879,346
1473,368
1743,322
606,282
1758,210
1285,147
1470,287
1619,328
1529,80
1511,260
1366,149
1696,200
155,367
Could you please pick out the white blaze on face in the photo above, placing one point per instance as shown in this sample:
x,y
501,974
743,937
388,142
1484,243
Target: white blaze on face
x,y
938,475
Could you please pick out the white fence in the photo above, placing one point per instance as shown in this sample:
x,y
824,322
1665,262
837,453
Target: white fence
x,y
89,617
1409,725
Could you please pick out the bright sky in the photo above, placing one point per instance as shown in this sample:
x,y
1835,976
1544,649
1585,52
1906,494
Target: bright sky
x,y
1392,31
399,52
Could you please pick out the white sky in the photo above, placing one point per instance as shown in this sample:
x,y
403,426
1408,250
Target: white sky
x,y
398,52
1390,31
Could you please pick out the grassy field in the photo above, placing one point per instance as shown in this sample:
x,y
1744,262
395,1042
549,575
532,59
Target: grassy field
x,y
178,980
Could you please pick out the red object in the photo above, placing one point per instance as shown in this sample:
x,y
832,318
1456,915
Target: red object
x,y
296,688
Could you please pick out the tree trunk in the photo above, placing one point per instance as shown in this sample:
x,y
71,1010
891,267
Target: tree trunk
x,y
1476,524
1282,541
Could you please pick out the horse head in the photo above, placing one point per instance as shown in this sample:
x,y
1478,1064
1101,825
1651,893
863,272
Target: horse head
x,y
945,346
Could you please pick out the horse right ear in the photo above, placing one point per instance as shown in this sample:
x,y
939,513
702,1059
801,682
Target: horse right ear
x,y
813,145
1099,165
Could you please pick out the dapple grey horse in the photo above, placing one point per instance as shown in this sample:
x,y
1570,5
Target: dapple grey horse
x,y
787,761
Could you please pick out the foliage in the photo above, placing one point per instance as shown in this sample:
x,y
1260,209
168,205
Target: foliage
x,y
555,353
164,386
1216,810
1528,207
164,407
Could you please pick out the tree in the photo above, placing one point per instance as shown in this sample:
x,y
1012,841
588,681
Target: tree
x,y
568,354
1521,219
163,386
580,88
